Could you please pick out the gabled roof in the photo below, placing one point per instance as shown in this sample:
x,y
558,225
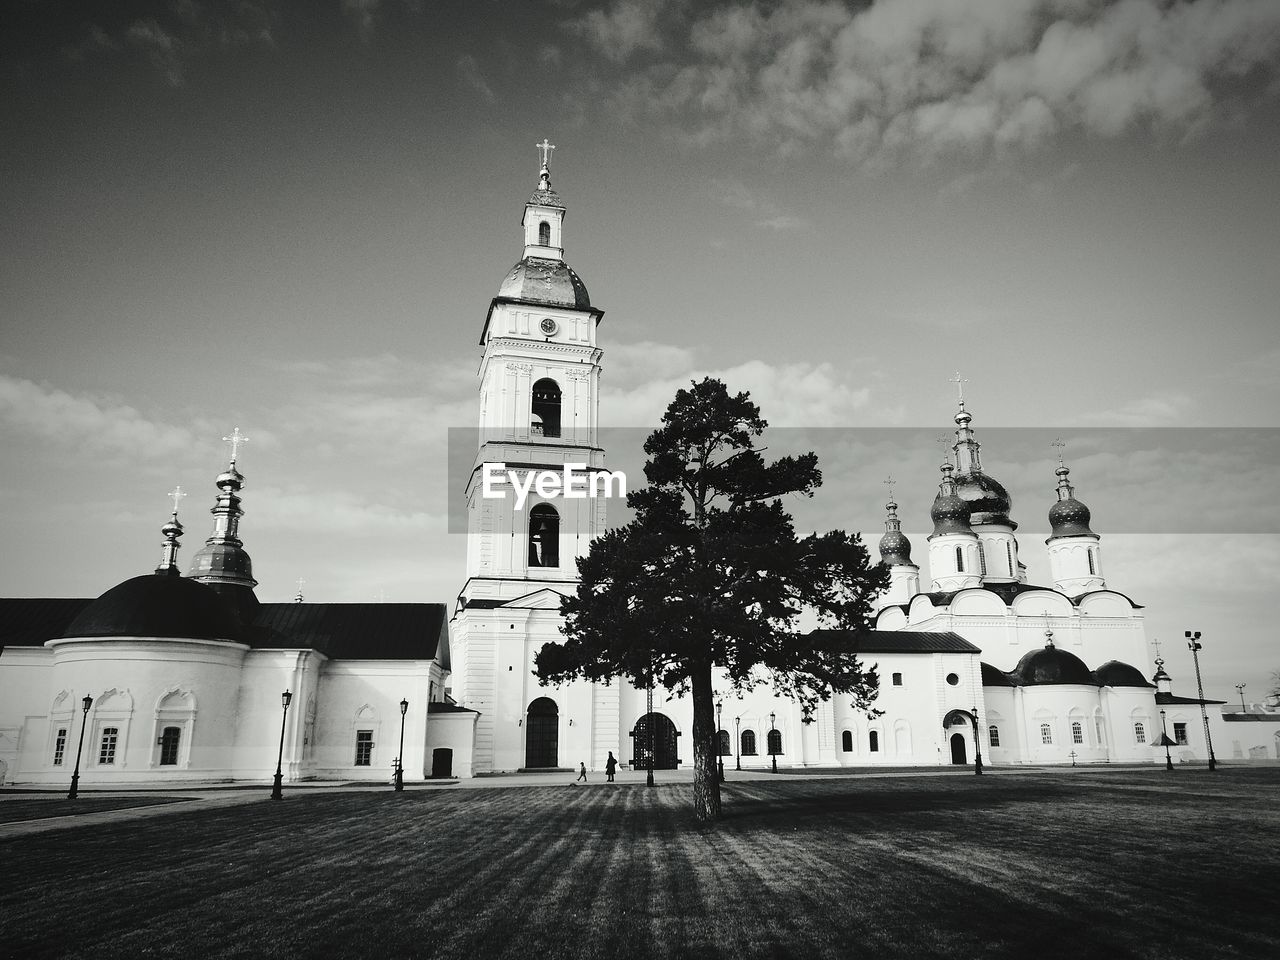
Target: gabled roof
x,y
1164,698
907,641
354,631
30,622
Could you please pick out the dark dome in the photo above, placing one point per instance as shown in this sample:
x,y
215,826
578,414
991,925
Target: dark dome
x,y
1070,518
1051,665
991,677
950,514
157,605
989,501
221,559
545,281
895,549
1114,673
546,198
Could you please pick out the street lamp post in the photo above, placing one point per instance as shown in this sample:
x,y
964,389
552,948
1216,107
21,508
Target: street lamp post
x,y
737,744
404,708
1240,690
1193,644
648,719
773,751
977,746
719,752
276,792
75,776
1164,738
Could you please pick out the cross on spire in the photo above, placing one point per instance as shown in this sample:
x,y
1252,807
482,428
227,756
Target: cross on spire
x,y
1156,643
175,495
890,482
301,583
1059,443
545,148
945,441
959,381
236,439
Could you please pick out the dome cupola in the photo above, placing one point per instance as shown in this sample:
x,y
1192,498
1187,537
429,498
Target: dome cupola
x,y
1049,665
157,605
1068,517
1116,673
950,512
895,548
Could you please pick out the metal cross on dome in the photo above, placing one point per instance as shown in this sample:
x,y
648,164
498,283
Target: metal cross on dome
x,y
1059,443
545,148
236,439
890,482
945,441
959,381
1156,643
176,494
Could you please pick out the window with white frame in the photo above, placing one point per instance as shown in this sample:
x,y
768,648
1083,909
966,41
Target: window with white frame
x,y
846,741
874,740
107,746
1140,732
364,748
897,679
1077,732
1046,733
1180,733
59,746
993,734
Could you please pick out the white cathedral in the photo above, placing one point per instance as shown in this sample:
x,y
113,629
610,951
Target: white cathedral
x,y
166,677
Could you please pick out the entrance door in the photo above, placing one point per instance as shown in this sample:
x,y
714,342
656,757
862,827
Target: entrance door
x,y
542,734
169,746
663,733
957,749
442,762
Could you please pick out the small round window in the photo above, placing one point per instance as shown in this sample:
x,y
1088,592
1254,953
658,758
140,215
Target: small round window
x,y
953,679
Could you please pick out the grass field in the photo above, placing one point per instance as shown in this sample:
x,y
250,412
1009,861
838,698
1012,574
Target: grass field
x,y
1096,864
13,811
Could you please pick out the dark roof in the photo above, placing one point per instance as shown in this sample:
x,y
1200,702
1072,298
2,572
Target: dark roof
x,y
1050,665
994,677
1116,673
157,605
1165,698
353,631
439,706
30,622
1088,593
907,641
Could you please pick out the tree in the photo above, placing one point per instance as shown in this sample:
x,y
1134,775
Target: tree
x,y
710,574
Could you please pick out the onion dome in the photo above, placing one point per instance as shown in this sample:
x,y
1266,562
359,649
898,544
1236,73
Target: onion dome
x,y
546,197
223,557
989,501
539,280
895,548
1115,673
950,512
172,532
992,677
1050,665
168,606
1068,517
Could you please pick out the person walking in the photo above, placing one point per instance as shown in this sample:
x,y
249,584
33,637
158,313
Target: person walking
x,y
610,766
582,773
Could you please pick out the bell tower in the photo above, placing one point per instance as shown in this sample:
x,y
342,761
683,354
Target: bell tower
x,y
539,397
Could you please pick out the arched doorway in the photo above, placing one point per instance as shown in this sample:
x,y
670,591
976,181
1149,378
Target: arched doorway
x,y
442,762
542,734
664,736
958,753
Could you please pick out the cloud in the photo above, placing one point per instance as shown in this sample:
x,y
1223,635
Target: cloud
x,y
782,222
471,77
98,424
1156,410
179,33
923,78
736,194
362,13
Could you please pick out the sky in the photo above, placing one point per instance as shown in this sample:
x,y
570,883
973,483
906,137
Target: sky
x,y
291,217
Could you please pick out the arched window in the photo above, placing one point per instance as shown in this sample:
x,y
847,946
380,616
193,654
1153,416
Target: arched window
x,y
546,408
775,742
748,743
982,560
846,741
897,679
544,536
873,739
544,234
1046,733
993,735
723,743
959,560
1008,552
1140,732
1077,732
1092,569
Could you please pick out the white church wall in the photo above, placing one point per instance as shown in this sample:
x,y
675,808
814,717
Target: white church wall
x,y
1049,713
25,697
454,732
363,697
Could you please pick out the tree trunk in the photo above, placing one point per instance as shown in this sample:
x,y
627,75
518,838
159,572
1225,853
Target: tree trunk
x,y
706,781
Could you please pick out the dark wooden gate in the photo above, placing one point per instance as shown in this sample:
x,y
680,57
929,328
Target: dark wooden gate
x,y
542,734
664,734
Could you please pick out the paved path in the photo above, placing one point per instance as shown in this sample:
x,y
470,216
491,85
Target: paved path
x,y
212,796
